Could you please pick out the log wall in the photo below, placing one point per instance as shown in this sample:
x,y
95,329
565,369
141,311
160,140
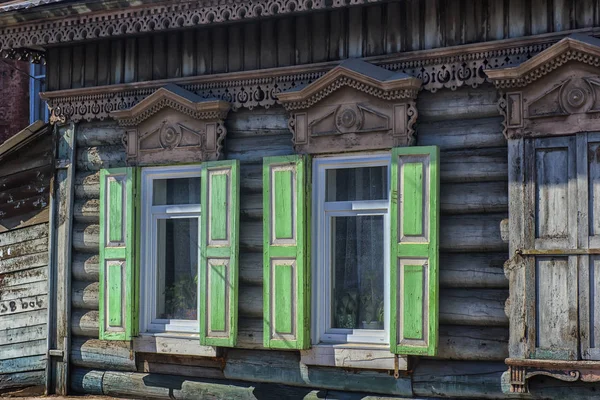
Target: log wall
x,y
474,327
397,26
24,197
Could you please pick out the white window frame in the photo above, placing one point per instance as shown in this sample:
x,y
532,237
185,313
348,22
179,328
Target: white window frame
x,y
322,333
148,272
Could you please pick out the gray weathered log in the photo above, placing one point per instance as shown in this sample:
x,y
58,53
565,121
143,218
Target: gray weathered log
x,y
86,267
85,295
87,211
246,150
484,307
97,157
463,103
458,379
465,198
484,165
87,185
85,323
461,134
251,268
99,133
86,238
472,270
112,354
461,233
256,122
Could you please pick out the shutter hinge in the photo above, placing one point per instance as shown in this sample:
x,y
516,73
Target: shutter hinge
x,y
55,353
396,362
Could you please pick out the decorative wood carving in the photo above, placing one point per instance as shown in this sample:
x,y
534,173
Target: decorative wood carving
x,y
441,68
173,124
169,15
557,92
355,106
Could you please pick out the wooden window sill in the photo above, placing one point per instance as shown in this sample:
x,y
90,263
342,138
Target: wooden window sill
x,y
352,356
173,343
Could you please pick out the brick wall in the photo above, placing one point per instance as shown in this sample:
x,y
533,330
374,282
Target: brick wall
x,y
14,98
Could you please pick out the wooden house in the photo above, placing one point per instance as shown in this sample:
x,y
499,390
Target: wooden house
x,y
312,199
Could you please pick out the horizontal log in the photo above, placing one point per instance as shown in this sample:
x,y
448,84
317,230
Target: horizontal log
x,y
480,197
473,270
463,103
472,232
251,269
456,342
254,149
85,295
99,133
111,354
24,277
462,134
86,210
27,379
23,364
283,367
472,343
97,157
24,262
483,165
256,122
251,177
482,307
85,267
87,185
459,233
197,367
250,301
458,379
162,386
85,323
86,238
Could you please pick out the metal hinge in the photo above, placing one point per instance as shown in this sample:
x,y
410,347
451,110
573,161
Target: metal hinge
x,y
55,353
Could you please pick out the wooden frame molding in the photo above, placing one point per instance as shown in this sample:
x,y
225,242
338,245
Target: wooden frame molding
x,y
539,98
355,106
173,124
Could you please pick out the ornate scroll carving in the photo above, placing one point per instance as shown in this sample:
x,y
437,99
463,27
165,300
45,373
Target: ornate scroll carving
x,y
520,371
355,106
539,98
173,124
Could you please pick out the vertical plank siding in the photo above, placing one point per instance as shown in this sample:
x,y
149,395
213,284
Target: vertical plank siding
x,y
373,30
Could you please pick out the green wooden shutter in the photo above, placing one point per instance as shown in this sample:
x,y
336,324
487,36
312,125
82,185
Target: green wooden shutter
x,y
219,250
117,254
286,262
414,253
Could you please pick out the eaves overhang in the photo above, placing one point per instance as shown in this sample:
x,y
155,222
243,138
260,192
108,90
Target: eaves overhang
x,y
56,22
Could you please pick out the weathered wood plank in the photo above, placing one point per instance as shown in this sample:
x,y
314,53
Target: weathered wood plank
x,y
246,150
22,380
486,165
472,233
99,133
25,234
23,364
180,366
112,354
24,277
24,291
481,197
25,262
23,334
472,343
26,349
85,295
31,318
22,304
176,345
463,103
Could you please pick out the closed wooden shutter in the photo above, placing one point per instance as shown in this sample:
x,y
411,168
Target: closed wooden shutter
x,y
414,253
286,258
117,254
219,251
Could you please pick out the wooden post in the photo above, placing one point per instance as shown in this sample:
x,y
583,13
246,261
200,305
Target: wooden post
x,y
60,260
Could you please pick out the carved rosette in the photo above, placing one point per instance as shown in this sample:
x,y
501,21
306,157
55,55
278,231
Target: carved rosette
x,y
173,124
355,106
557,92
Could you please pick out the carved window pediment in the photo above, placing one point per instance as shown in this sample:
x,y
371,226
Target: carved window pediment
x,y
173,124
557,92
355,106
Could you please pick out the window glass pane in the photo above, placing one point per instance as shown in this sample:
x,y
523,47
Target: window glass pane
x,y
355,184
176,191
358,272
177,268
